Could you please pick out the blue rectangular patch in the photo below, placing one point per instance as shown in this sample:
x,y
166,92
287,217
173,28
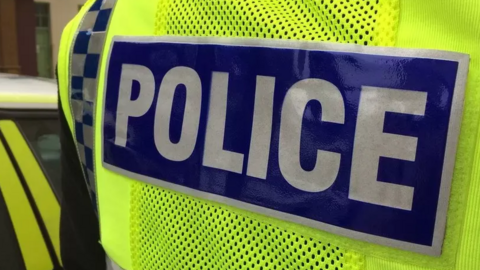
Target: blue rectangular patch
x,y
354,140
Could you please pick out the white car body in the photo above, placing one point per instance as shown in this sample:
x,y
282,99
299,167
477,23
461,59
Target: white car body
x,y
23,92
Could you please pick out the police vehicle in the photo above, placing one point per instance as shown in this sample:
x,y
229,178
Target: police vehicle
x,y
29,173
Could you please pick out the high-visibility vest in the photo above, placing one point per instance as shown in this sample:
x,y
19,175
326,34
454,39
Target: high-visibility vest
x,y
166,201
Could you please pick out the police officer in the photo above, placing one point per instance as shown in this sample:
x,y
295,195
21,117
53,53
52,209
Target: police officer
x,y
247,135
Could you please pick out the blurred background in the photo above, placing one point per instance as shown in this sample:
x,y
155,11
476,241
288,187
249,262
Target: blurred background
x,y
30,33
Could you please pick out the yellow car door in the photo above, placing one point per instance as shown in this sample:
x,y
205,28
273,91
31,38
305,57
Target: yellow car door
x,y
30,190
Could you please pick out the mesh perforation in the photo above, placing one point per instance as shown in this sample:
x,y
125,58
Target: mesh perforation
x,y
371,22
174,231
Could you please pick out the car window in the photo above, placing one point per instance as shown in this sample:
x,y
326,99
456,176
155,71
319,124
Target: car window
x,y
44,140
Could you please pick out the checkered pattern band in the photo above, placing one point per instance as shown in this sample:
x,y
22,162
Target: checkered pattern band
x,y
84,66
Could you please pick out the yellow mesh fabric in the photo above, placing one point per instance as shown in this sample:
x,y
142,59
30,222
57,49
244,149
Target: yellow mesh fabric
x,y
174,231
364,22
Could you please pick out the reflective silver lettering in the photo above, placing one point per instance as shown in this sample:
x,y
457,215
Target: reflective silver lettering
x,y
371,143
262,128
126,107
327,163
191,118
214,155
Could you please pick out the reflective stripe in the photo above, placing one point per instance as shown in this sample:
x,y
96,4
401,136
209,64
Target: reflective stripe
x,y
27,101
32,245
22,96
24,105
84,65
38,185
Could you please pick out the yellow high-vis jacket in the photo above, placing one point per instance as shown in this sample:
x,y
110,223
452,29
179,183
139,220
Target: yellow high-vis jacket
x,y
277,134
